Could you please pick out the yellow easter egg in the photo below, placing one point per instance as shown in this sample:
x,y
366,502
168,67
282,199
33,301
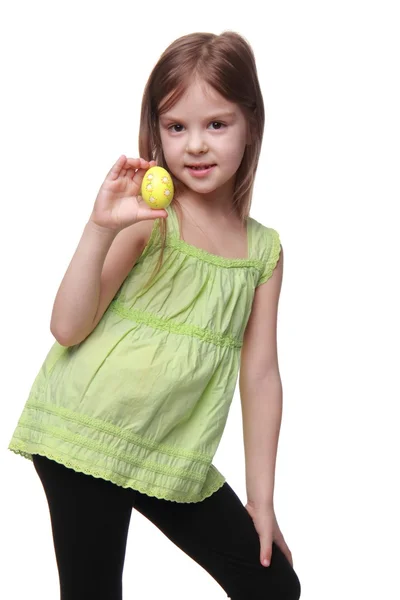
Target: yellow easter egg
x,y
157,188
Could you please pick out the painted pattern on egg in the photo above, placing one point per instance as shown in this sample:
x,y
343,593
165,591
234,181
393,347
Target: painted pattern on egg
x,y
157,188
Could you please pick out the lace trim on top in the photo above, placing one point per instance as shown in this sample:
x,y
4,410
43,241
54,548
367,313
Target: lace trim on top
x,y
219,261
216,479
272,260
173,240
207,335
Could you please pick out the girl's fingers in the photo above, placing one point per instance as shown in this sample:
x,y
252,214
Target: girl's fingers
x,y
139,163
130,173
148,213
138,176
116,168
128,167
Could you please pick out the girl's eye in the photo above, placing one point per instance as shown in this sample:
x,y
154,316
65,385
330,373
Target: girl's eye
x,y
218,125
176,125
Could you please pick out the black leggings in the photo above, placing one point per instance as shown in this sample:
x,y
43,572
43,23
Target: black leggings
x,y
90,520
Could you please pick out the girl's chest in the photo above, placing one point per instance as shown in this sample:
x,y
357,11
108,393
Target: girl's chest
x,y
226,243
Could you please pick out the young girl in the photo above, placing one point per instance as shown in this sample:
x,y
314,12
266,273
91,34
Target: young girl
x,y
155,315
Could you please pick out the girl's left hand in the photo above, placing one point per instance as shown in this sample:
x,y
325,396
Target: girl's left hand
x,y
267,527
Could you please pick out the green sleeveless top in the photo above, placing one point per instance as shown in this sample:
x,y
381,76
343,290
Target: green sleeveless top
x,y
144,399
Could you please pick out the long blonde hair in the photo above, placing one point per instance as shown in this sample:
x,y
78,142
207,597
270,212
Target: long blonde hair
x,y
226,62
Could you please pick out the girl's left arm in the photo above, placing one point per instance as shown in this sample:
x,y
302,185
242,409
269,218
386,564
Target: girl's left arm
x,y
261,391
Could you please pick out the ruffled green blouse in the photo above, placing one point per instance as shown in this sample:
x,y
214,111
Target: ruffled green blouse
x,y
144,399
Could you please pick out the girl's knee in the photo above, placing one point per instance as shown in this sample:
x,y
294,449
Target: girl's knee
x,y
286,588
289,588
294,588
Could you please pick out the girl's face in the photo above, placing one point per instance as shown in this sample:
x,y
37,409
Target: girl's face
x,y
203,128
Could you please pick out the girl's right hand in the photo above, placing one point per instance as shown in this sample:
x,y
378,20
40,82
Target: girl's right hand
x,y
118,203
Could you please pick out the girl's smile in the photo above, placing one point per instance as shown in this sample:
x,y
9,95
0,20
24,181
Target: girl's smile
x,y
200,171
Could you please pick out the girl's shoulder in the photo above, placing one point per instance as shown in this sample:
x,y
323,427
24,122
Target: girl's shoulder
x,y
264,238
266,247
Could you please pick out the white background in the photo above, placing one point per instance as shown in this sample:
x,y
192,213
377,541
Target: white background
x,y
72,77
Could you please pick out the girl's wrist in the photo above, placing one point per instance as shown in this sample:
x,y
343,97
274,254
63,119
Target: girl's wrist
x,y
101,229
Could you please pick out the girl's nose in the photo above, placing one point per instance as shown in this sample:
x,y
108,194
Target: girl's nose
x,y
196,145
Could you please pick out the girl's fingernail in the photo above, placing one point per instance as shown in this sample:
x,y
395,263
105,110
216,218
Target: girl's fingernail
x,y
266,563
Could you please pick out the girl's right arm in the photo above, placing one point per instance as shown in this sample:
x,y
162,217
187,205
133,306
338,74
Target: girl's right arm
x,y
112,240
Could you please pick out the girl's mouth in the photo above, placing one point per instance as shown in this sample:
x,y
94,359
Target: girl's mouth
x,y
200,170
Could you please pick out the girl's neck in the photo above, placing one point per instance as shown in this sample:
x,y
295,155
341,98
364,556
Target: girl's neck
x,y
216,205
